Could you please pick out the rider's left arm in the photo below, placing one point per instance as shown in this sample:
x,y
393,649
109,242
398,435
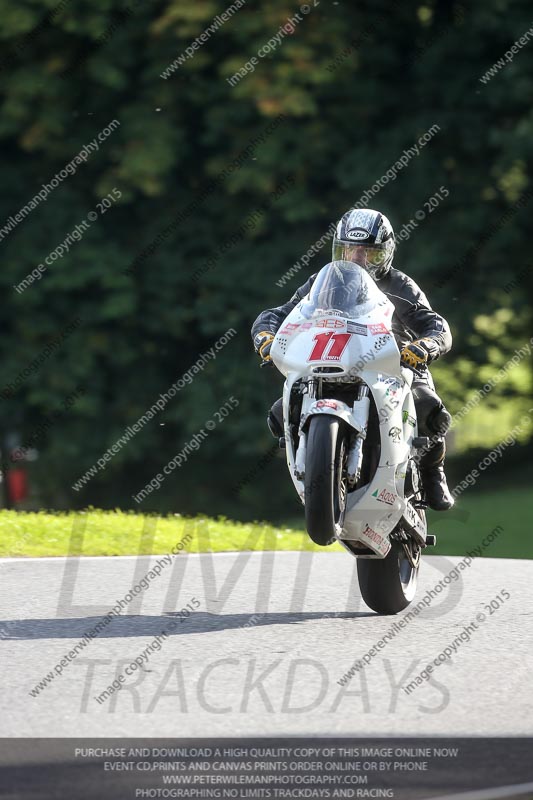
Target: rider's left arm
x,y
424,323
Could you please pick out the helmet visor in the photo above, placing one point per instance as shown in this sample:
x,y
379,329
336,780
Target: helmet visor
x,y
371,257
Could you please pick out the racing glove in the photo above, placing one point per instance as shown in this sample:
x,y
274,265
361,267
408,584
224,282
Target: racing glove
x,y
263,343
419,354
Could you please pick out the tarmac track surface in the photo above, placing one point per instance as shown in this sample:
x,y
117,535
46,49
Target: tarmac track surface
x,y
263,651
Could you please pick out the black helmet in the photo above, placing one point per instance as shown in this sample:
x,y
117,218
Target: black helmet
x,y
365,237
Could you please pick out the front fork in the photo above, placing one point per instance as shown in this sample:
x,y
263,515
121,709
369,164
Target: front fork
x,y
355,452
357,418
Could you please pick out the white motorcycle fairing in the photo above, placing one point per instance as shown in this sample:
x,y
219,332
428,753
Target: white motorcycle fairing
x,y
314,345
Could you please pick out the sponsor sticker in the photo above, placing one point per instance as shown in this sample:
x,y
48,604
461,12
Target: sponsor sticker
x,y
378,327
381,544
357,234
406,417
289,328
400,472
327,404
330,323
413,518
395,434
355,327
392,391
385,496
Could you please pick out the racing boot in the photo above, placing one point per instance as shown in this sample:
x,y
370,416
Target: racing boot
x,y
438,495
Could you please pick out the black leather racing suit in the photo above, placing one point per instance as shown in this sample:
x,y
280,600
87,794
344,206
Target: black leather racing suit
x,y
413,318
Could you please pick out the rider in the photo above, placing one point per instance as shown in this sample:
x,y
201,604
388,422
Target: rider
x,y
366,237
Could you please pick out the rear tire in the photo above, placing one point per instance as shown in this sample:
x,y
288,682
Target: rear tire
x,y
325,478
387,584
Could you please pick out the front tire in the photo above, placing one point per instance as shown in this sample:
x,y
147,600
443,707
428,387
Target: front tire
x,y
388,584
325,478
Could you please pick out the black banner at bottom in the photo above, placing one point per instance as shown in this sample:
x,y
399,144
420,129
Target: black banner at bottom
x,y
295,768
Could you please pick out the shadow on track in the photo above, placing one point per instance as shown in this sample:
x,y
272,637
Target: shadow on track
x,y
141,625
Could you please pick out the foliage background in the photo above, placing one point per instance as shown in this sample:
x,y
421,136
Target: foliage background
x,y
357,84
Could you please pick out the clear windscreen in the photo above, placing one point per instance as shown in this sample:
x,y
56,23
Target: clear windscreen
x,y
344,288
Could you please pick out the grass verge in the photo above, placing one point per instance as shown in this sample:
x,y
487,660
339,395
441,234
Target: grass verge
x,y
116,533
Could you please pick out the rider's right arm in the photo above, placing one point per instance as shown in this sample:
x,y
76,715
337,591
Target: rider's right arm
x,y
272,318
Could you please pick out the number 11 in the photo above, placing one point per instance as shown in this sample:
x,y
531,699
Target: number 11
x,y
337,342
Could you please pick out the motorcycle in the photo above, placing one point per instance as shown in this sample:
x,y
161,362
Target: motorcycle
x,y
350,431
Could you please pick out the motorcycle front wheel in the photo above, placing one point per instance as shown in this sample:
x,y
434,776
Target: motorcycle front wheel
x,y
326,486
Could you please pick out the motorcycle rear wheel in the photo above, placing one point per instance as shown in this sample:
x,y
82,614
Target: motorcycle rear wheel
x,y
326,485
388,584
